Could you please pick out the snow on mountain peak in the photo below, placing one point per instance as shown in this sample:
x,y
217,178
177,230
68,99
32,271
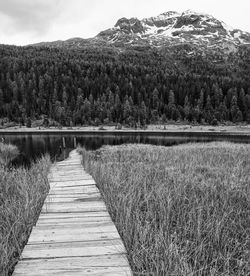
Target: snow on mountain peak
x,y
192,12
166,15
227,27
173,28
189,30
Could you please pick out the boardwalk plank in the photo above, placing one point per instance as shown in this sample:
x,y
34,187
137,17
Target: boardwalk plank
x,y
108,265
61,237
79,271
69,207
84,181
71,221
73,233
73,249
71,183
73,199
85,215
75,190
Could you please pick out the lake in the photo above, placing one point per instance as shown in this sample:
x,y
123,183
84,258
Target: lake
x,y
58,145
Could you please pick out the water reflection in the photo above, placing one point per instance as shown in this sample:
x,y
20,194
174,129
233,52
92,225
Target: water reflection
x,y
32,146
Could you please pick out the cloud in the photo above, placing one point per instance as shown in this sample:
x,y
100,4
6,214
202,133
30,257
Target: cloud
x,y
29,16
25,22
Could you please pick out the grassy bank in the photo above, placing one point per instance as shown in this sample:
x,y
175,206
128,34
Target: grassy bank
x,y
22,192
7,153
182,210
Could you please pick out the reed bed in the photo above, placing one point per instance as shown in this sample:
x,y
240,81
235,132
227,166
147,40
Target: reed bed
x,y
7,153
22,193
182,210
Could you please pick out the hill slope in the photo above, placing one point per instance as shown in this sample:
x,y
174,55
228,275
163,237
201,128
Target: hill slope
x,y
167,29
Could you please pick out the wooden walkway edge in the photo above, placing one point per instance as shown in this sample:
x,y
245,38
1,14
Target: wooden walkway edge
x,y
74,234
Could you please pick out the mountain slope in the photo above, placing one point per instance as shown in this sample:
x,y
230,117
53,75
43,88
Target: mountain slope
x,y
167,29
172,28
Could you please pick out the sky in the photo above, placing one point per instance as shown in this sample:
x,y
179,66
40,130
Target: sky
x,y
25,22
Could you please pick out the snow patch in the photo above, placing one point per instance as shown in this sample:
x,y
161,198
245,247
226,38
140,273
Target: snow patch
x,y
212,23
167,32
163,16
227,27
237,35
198,36
187,28
191,12
151,30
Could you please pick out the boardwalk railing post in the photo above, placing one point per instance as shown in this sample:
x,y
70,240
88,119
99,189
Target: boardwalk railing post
x,y
63,141
74,142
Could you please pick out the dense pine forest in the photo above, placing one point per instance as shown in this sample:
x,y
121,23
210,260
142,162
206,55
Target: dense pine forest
x,y
134,87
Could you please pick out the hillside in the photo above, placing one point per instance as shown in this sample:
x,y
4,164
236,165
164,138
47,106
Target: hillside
x,y
167,29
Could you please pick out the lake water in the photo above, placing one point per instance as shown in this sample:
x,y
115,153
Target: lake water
x,y
32,146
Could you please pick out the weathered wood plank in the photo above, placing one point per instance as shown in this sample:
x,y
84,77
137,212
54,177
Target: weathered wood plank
x,y
63,207
57,199
73,195
58,216
85,271
66,179
70,190
115,260
73,249
72,183
74,234
107,265
71,221
80,232
78,237
98,226
62,178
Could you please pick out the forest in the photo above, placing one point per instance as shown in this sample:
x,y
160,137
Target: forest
x,y
135,87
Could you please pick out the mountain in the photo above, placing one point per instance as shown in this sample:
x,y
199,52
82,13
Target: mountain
x,y
166,30
187,66
174,28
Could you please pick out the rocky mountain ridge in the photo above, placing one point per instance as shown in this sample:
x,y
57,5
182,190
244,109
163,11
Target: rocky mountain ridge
x,y
173,28
167,29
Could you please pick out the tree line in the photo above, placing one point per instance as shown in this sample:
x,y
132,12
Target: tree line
x,y
133,87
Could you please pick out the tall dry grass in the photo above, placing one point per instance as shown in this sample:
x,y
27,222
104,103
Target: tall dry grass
x,y
22,192
182,210
7,153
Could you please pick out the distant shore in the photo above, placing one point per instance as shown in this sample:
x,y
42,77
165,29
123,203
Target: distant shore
x,y
171,129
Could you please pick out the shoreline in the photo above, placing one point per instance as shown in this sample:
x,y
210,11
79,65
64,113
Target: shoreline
x,y
184,132
162,130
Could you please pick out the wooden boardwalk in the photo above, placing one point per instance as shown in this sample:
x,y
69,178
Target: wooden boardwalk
x,y
74,234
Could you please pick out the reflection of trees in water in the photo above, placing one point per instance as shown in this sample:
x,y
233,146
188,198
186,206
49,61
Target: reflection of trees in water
x,y
33,146
95,142
21,160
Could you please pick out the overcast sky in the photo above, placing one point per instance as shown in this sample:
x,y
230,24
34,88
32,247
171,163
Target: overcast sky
x,y
28,21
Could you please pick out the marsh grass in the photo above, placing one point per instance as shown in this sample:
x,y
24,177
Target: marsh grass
x,y
22,192
182,210
7,153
